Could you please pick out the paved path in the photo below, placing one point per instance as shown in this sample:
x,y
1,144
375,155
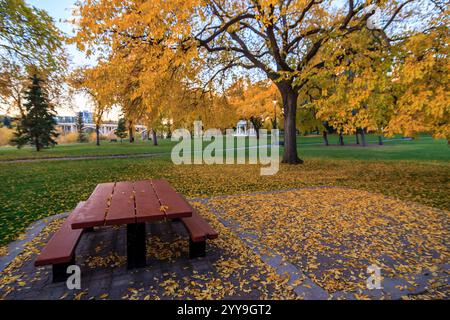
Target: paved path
x,y
102,257
392,287
117,156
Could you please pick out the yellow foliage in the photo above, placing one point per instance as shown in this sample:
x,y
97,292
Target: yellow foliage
x,y
254,99
158,58
5,136
70,137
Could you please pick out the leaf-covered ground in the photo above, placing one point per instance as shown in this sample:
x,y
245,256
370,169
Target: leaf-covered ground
x,y
334,234
327,235
31,191
230,270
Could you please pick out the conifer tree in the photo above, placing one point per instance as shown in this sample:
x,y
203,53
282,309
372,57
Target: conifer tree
x,y
37,125
121,130
80,127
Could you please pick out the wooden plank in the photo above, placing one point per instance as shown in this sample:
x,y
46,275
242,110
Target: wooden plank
x,y
196,233
121,210
61,247
210,232
94,211
147,203
198,228
175,205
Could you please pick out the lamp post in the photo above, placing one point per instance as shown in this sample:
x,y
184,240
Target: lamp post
x,y
275,113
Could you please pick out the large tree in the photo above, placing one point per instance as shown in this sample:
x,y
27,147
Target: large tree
x,y
37,126
421,81
96,83
286,41
30,43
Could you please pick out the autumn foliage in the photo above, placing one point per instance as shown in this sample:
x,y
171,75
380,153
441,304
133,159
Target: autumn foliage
x,y
379,66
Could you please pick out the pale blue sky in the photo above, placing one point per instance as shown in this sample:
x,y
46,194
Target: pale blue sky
x,y
61,10
58,9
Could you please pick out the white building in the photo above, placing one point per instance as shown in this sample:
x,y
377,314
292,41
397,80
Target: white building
x,y
68,124
244,128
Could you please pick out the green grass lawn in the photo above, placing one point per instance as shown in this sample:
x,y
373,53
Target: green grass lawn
x,y
86,149
416,170
423,148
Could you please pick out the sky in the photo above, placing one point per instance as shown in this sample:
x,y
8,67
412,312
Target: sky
x,y
61,10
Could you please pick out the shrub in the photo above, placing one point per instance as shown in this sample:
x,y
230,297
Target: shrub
x,y
5,136
70,137
92,137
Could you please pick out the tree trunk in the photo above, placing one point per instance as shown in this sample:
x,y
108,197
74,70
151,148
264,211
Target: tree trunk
x,y
36,141
97,134
289,96
357,138
256,127
380,140
155,141
341,138
130,132
325,137
363,137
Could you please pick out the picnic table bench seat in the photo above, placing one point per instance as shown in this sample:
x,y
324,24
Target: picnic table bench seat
x,y
60,250
199,231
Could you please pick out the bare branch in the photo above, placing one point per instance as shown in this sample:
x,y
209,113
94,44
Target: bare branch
x,y
396,13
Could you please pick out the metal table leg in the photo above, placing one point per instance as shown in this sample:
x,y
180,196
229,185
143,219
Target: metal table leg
x,y
136,246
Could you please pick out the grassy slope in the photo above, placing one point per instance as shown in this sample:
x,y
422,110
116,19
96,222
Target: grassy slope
x,y
313,146
30,191
86,149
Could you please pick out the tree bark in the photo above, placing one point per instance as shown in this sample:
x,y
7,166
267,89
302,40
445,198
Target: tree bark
x,y
130,132
325,137
155,141
36,141
289,96
380,140
363,137
256,127
97,134
341,138
357,138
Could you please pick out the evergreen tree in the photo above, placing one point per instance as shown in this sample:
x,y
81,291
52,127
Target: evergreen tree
x,y
37,126
121,130
80,128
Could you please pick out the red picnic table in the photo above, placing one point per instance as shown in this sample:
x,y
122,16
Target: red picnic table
x,y
132,204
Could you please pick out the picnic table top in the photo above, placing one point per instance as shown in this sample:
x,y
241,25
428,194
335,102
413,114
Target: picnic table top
x,y
119,203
